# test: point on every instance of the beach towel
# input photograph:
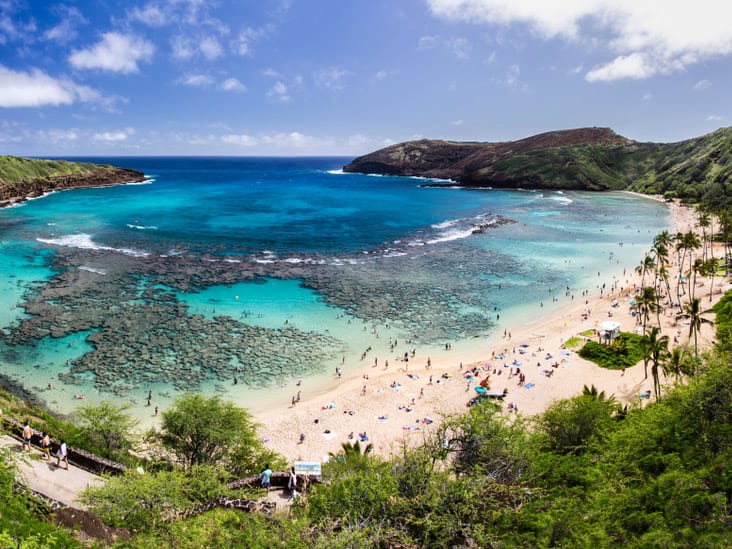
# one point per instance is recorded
(529, 385)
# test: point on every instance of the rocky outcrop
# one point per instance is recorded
(14, 192)
(463, 162)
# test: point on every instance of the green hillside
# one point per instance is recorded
(596, 159)
(15, 169)
(21, 178)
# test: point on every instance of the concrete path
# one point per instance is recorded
(44, 477)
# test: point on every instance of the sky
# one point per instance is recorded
(346, 77)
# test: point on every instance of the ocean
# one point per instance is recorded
(243, 277)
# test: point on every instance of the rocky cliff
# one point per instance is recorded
(23, 178)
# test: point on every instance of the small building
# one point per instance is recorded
(609, 330)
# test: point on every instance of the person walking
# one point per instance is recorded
(292, 483)
(266, 477)
(46, 446)
(62, 454)
(27, 434)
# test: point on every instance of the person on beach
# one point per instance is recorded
(62, 454)
(27, 433)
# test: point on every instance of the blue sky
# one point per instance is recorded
(345, 77)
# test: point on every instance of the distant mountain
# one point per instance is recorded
(595, 159)
(23, 178)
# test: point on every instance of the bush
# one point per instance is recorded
(624, 352)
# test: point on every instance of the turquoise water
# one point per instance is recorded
(241, 276)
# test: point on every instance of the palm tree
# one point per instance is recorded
(645, 267)
(685, 242)
(647, 303)
(698, 268)
(693, 311)
(710, 266)
(703, 222)
(655, 350)
(661, 244)
(677, 363)
(351, 456)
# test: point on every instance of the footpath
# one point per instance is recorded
(43, 477)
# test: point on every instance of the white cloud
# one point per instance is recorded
(37, 89)
(242, 140)
(196, 80)
(152, 15)
(210, 47)
(648, 96)
(279, 92)
(714, 118)
(428, 42)
(702, 85)
(66, 30)
(512, 75)
(457, 122)
(182, 47)
(233, 85)
(332, 78)
(243, 44)
(294, 140)
(628, 66)
(60, 136)
(460, 47)
(115, 52)
(115, 136)
(649, 37)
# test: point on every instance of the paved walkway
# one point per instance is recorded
(45, 478)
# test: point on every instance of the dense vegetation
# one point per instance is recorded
(625, 351)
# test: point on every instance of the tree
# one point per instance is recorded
(353, 457)
(484, 441)
(657, 353)
(200, 430)
(693, 311)
(685, 242)
(678, 363)
(108, 427)
(647, 303)
(645, 267)
(570, 425)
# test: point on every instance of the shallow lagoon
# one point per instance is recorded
(242, 276)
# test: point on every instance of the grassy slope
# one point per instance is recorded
(14, 169)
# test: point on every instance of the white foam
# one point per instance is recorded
(448, 236)
(83, 241)
(142, 227)
(562, 199)
(92, 270)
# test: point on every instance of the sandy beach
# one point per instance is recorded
(389, 403)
